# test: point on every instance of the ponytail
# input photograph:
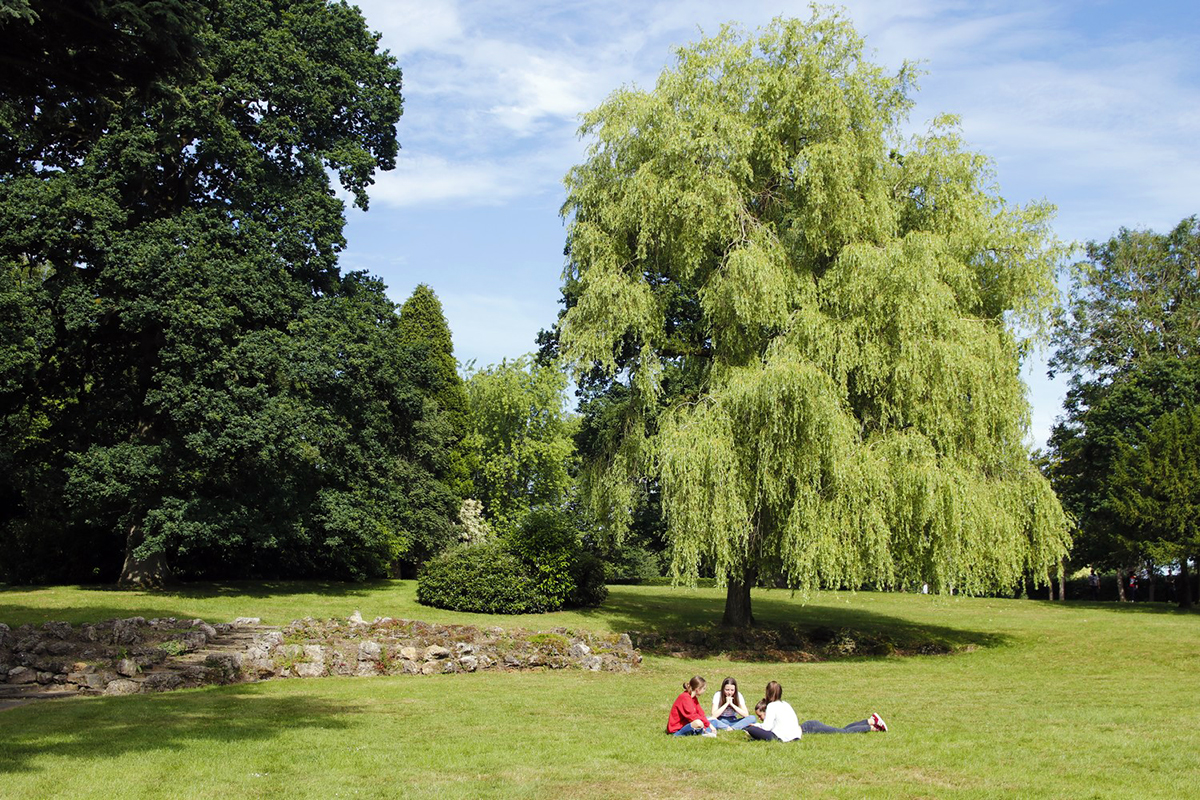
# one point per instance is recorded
(695, 684)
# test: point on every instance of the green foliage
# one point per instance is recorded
(548, 545)
(541, 558)
(479, 577)
(1128, 342)
(188, 376)
(521, 437)
(816, 323)
(423, 324)
(589, 576)
(1155, 487)
(631, 565)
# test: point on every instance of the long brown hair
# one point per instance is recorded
(774, 692)
(696, 684)
(730, 682)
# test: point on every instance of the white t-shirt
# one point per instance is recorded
(719, 700)
(781, 720)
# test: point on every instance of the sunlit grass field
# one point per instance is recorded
(1046, 700)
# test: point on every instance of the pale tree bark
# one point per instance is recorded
(1062, 582)
(1120, 585)
(151, 572)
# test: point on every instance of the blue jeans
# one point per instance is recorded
(813, 726)
(737, 725)
(688, 730)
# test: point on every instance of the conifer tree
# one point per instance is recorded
(423, 324)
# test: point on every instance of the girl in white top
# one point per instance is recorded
(779, 720)
(729, 708)
(780, 723)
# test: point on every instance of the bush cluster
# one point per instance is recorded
(538, 567)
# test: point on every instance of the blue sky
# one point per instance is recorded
(1094, 106)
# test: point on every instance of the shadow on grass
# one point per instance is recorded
(1112, 606)
(95, 730)
(174, 601)
(670, 615)
(208, 590)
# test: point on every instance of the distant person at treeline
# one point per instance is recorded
(687, 717)
(1133, 587)
(729, 708)
(780, 723)
(1094, 584)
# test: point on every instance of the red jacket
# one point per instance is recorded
(686, 709)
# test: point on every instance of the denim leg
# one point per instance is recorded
(814, 726)
(687, 730)
(744, 722)
(720, 724)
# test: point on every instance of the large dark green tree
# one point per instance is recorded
(188, 375)
(1155, 486)
(1130, 342)
(846, 304)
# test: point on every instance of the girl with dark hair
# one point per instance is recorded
(729, 708)
(780, 722)
(686, 717)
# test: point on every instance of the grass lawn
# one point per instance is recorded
(1075, 701)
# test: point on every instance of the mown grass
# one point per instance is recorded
(1082, 700)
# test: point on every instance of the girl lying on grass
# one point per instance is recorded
(686, 717)
(781, 725)
(729, 708)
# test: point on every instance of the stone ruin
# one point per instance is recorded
(128, 656)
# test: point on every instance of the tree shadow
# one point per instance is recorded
(214, 589)
(97, 729)
(175, 601)
(1115, 607)
(671, 615)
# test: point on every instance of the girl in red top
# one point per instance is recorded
(687, 718)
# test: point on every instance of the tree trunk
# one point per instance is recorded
(1120, 585)
(1183, 585)
(151, 572)
(1062, 584)
(737, 600)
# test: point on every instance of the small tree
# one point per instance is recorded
(522, 438)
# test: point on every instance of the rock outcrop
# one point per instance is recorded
(128, 656)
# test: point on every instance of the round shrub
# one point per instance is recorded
(479, 577)
(548, 545)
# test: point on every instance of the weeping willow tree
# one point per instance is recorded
(850, 303)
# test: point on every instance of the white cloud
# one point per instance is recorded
(412, 25)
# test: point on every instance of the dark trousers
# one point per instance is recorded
(761, 733)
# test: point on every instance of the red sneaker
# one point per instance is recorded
(877, 723)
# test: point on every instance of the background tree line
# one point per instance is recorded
(1125, 456)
